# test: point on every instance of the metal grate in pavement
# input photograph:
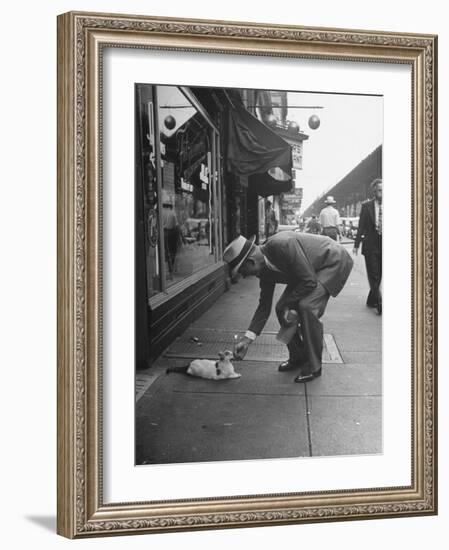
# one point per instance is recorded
(210, 350)
(330, 350)
(225, 336)
(206, 343)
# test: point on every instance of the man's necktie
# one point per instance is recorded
(379, 219)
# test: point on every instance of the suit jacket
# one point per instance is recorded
(302, 260)
(366, 232)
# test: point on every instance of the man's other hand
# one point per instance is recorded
(355, 251)
(241, 348)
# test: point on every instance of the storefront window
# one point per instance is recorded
(178, 230)
(147, 193)
(187, 186)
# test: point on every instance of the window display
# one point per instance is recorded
(186, 186)
(180, 178)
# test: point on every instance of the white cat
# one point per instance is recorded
(211, 370)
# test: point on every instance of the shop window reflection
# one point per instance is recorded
(186, 185)
(148, 181)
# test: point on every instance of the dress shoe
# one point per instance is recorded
(287, 365)
(301, 378)
(379, 308)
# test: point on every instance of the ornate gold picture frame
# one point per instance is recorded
(82, 509)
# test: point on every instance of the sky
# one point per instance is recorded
(171, 95)
(351, 127)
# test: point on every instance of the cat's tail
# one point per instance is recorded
(177, 369)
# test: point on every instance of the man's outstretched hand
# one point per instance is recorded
(241, 348)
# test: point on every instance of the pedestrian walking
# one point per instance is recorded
(313, 226)
(330, 219)
(370, 234)
(314, 268)
(270, 220)
(172, 232)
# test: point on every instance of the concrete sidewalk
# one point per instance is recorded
(264, 414)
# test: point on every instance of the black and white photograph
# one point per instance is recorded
(224, 352)
(238, 345)
(258, 274)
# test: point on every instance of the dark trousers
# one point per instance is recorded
(307, 344)
(331, 232)
(373, 262)
(171, 240)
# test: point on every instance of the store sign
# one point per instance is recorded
(204, 176)
(297, 156)
(191, 149)
(292, 200)
(185, 186)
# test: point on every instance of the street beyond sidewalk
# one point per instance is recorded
(264, 414)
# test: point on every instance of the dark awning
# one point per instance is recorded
(264, 185)
(252, 147)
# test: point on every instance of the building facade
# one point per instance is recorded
(354, 188)
(271, 108)
(204, 164)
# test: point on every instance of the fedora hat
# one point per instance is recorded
(236, 252)
(330, 200)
